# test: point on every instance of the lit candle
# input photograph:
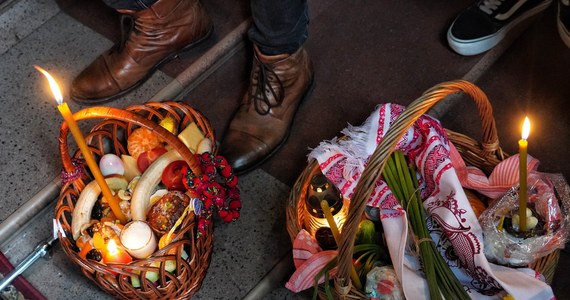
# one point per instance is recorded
(87, 155)
(330, 219)
(319, 189)
(523, 146)
(138, 239)
(115, 254)
(336, 234)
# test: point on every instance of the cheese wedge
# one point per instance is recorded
(191, 136)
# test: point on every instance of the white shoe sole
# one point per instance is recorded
(478, 46)
(564, 34)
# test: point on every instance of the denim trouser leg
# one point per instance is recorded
(130, 4)
(279, 26)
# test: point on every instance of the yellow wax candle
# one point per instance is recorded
(336, 234)
(523, 148)
(80, 140)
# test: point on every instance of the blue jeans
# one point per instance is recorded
(279, 26)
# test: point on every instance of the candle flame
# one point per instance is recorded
(112, 247)
(526, 128)
(53, 85)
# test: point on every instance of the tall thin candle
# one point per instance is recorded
(523, 148)
(336, 234)
(80, 140)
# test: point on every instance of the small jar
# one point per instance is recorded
(138, 239)
(320, 188)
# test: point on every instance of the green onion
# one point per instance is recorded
(402, 181)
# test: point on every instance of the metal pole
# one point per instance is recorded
(18, 219)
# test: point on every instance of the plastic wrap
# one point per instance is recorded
(382, 283)
(549, 201)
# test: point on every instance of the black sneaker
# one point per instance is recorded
(484, 24)
(564, 21)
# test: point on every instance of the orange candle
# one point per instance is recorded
(78, 136)
(115, 254)
(523, 148)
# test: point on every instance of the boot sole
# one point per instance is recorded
(91, 101)
(256, 165)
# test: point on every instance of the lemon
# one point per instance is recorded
(168, 124)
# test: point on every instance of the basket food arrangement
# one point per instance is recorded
(174, 263)
(348, 260)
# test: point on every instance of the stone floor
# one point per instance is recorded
(364, 52)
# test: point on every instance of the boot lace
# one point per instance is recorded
(262, 89)
(489, 6)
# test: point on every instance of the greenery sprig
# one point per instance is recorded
(402, 181)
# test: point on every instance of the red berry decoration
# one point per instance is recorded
(217, 187)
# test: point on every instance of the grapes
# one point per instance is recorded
(94, 254)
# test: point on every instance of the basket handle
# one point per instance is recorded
(128, 116)
(387, 146)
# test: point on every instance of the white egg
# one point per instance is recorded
(111, 164)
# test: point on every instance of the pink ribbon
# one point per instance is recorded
(309, 260)
(503, 177)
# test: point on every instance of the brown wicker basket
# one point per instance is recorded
(484, 155)
(110, 136)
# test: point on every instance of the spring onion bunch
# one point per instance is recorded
(402, 181)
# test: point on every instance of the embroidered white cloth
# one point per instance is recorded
(452, 223)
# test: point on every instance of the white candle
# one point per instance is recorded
(138, 239)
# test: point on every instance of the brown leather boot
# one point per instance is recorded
(160, 32)
(263, 121)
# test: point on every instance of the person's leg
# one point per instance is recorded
(159, 33)
(279, 26)
(281, 77)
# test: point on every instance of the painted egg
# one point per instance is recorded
(111, 164)
(197, 206)
(372, 213)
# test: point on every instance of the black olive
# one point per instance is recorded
(90, 230)
(94, 254)
(97, 212)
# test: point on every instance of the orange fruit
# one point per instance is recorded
(476, 202)
(142, 140)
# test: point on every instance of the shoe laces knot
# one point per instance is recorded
(266, 89)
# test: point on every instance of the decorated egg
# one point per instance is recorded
(372, 213)
(111, 164)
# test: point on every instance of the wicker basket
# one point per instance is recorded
(484, 155)
(110, 136)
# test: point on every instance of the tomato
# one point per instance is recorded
(172, 175)
(146, 158)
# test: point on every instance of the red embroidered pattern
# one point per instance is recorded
(459, 245)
